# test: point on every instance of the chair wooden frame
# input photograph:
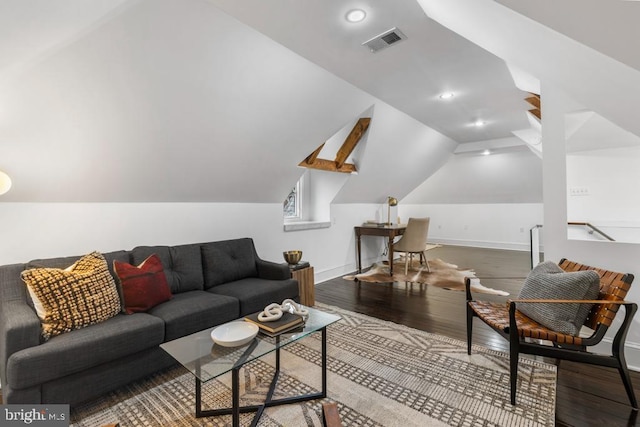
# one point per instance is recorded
(521, 331)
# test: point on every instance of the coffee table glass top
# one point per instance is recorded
(207, 360)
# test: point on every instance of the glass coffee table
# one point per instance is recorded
(206, 360)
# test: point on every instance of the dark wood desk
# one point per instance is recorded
(389, 231)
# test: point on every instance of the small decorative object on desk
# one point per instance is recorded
(292, 257)
(278, 318)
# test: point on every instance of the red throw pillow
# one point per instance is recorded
(144, 286)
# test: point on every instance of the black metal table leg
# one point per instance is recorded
(324, 362)
(198, 398)
(236, 409)
(235, 391)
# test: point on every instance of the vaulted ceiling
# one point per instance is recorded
(410, 75)
(220, 100)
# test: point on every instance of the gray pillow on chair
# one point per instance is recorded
(548, 281)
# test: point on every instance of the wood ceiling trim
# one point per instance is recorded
(536, 112)
(352, 140)
(534, 100)
(339, 164)
(330, 166)
(311, 158)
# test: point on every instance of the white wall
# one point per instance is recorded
(502, 177)
(484, 201)
(611, 177)
(496, 225)
(42, 230)
(610, 255)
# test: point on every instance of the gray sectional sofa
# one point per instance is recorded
(211, 283)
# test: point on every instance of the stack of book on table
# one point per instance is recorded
(286, 323)
(299, 266)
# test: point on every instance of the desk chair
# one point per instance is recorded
(413, 241)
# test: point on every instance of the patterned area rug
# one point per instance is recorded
(440, 274)
(379, 373)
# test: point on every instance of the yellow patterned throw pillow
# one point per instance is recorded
(78, 296)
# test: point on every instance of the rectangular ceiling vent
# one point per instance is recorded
(385, 40)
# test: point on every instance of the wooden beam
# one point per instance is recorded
(536, 112)
(534, 100)
(313, 156)
(339, 164)
(330, 166)
(352, 140)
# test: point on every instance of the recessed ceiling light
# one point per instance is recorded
(446, 95)
(356, 15)
(479, 123)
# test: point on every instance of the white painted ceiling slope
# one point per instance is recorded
(608, 26)
(598, 76)
(410, 75)
(593, 79)
(175, 100)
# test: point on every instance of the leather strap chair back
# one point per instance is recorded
(524, 334)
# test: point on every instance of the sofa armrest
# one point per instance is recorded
(272, 270)
(19, 329)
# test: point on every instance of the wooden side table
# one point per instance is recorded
(306, 283)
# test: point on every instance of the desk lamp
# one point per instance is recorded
(391, 201)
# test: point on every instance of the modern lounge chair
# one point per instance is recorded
(528, 336)
(413, 241)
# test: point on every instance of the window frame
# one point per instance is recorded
(297, 194)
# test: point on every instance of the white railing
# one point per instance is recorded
(536, 248)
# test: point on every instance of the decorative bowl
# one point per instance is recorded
(234, 334)
(292, 257)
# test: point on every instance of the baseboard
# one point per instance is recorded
(343, 270)
(631, 352)
(483, 244)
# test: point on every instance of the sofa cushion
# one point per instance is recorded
(81, 295)
(97, 382)
(64, 262)
(193, 311)
(182, 265)
(143, 286)
(82, 349)
(548, 281)
(228, 261)
(255, 294)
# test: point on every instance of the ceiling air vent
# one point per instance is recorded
(384, 40)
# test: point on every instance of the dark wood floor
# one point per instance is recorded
(586, 395)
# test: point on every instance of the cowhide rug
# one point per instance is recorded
(442, 275)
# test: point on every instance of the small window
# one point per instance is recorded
(291, 204)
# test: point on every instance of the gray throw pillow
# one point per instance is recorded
(548, 281)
